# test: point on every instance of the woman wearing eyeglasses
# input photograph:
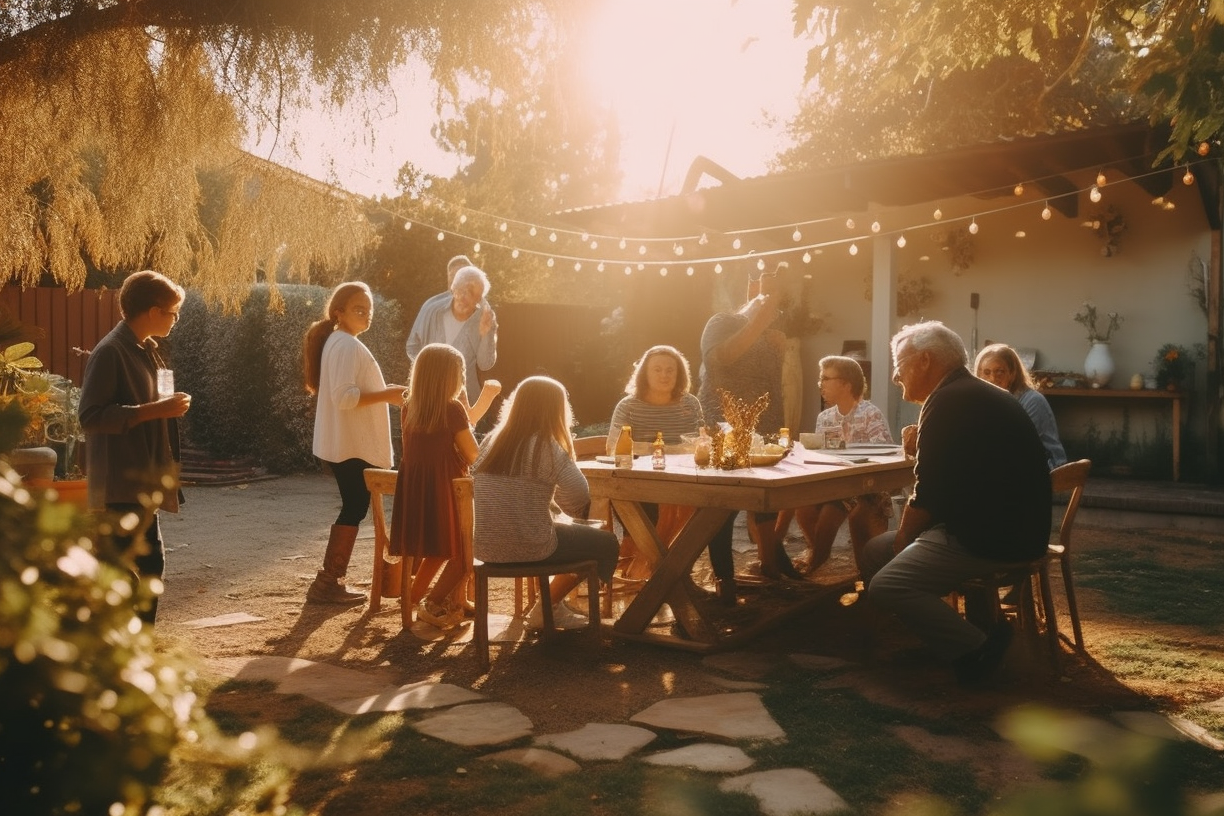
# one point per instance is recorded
(352, 429)
(841, 387)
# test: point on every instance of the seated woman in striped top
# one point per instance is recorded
(657, 400)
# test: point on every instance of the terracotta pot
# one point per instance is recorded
(72, 491)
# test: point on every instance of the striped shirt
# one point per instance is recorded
(675, 418)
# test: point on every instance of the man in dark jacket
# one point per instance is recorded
(981, 500)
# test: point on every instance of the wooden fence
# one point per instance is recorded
(78, 320)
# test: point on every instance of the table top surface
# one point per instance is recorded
(796, 467)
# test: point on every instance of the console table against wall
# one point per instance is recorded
(1173, 397)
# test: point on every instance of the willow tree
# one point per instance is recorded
(903, 76)
(112, 111)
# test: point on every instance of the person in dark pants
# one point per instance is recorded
(981, 500)
(131, 431)
(352, 424)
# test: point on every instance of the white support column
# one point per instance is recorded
(883, 306)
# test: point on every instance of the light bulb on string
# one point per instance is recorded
(1095, 194)
(503, 226)
(594, 245)
(973, 227)
(641, 266)
(796, 236)
(1100, 179)
(622, 243)
(532, 232)
(551, 263)
(1046, 212)
(938, 214)
(577, 266)
(476, 248)
(854, 249)
(463, 218)
(689, 271)
(807, 257)
(849, 223)
(586, 237)
(601, 266)
(761, 264)
(552, 236)
(678, 250)
(407, 225)
(662, 271)
(717, 269)
(1188, 178)
(441, 236)
(875, 226)
(628, 270)
(901, 241)
(1018, 190)
(514, 253)
(703, 240)
(736, 244)
(642, 249)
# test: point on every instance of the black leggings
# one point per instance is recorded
(354, 495)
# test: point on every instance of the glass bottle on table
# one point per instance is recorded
(658, 454)
(702, 448)
(623, 452)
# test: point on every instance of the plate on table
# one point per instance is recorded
(766, 459)
(864, 449)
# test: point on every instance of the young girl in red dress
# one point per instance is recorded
(438, 447)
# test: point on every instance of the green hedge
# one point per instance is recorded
(244, 373)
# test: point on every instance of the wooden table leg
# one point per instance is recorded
(666, 584)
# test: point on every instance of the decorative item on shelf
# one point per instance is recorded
(1174, 365)
(1045, 380)
(1098, 365)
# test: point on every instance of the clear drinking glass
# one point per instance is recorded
(165, 382)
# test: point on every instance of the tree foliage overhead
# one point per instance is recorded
(111, 111)
(895, 77)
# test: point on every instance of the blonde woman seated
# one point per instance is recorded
(841, 386)
(657, 400)
(1000, 365)
(525, 464)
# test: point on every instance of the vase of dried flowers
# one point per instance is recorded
(1099, 364)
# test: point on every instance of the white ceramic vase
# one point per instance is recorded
(1099, 365)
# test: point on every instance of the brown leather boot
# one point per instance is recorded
(328, 586)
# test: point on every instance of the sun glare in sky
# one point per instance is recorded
(685, 78)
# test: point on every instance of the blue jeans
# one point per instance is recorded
(913, 583)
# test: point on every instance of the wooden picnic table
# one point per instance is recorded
(800, 479)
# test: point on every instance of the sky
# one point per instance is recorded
(685, 77)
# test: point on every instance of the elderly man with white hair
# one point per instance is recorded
(981, 499)
(453, 320)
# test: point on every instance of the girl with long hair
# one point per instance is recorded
(525, 465)
(438, 446)
(352, 429)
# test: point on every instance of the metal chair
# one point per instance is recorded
(588, 570)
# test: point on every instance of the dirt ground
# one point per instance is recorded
(254, 548)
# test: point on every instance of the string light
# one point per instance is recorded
(650, 249)
(689, 271)
(1020, 233)
(1019, 189)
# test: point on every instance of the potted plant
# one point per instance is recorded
(1174, 365)
(1098, 365)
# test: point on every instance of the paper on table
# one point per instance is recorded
(814, 458)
